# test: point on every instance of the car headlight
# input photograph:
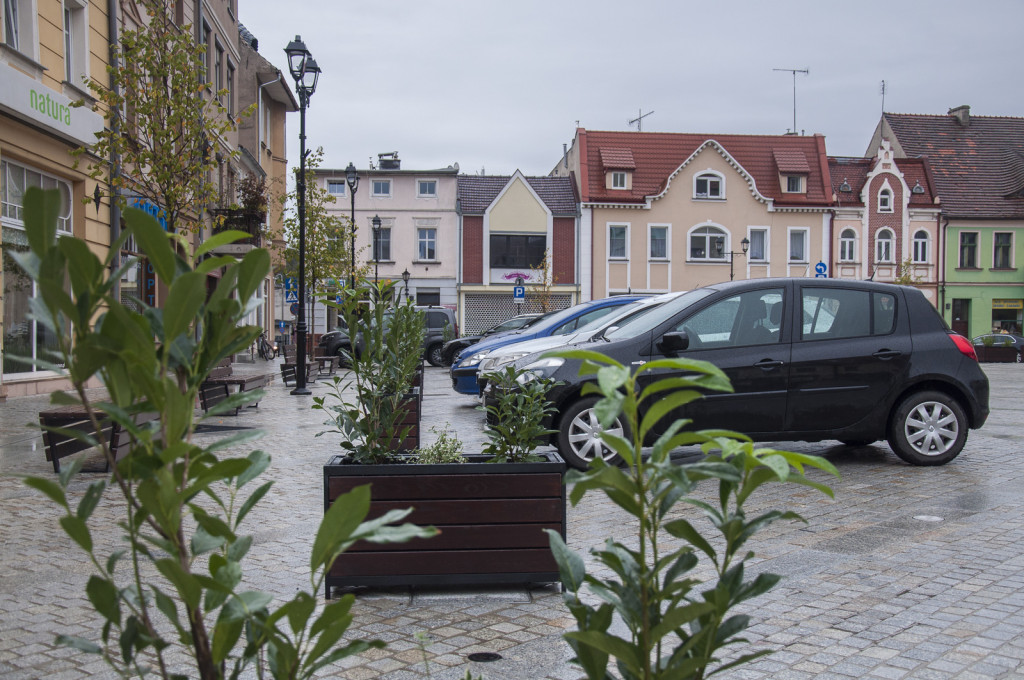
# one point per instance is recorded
(496, 363)
(542, 369)
(475, 358)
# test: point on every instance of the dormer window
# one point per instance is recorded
(794, 184)
(618, 180)
(709, 185)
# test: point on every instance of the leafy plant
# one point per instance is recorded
(177, 584)
(445, 449)
(387, 350)
(677, 626)
(252, 192)
(515, 421)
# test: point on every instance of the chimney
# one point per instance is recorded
(389, 161)
(962, 114)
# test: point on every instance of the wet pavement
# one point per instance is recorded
(907, 573)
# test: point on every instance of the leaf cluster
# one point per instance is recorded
(515, 421)
(677, 625)
(178, 581)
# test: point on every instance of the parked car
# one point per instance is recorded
(435, 319)
(452, 348)
(465, 367)
(1003, 347)
(809, 360)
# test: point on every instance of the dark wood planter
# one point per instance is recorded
(491, 518)
(1004, 355)
(411, 407)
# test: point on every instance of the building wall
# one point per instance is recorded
(993, 295)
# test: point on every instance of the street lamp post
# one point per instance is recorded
(352, 178)
(305, 72)
(405, 278)
(376, 246)
(745, 244)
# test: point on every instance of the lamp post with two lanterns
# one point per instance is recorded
(306, 73)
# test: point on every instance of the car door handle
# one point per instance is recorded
(885, 354)
(768, 364)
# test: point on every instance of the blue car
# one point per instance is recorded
(466, 366)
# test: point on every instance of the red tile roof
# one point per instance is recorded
(854, 171)
(658, 155)
(791, 160)
(477, 192)
(617, 159)
(978, 167)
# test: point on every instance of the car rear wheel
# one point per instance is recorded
(928, 428)
(434, 355)
(578, 435)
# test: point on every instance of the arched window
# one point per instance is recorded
(709, 185)
(707, 243)
(848, 246)
(883, 246)
(885, 200)
(921, 254)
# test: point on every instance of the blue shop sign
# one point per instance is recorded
(148, 208)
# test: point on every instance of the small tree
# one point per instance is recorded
(905, 274)
(164, 122)
(543, 291)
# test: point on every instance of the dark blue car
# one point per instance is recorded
(466, 366)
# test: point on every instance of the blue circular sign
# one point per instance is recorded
(294, 308)
(821, 268)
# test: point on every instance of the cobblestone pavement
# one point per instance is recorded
(908, 573)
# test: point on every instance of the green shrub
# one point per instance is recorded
(445, 449)
(515, 421)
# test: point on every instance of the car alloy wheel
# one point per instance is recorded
(928, 428)
(435, 355)
(579, 440)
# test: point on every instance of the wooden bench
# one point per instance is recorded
(72, 419)
(288, 372)
(217, 386)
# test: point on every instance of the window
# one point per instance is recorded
(885, 200)
(883, 246)
(426, 241)
(708, 185)
(848, 246)
(968, 250)
(921, 241)
(707, 243)
(382, 244)
(204, 75)
(1001, 250)
(230, 103)
(336, 187)
(218, 68)
(618, 180)
(794, 184)
(617, 241)
(426, 188)
(15, 179)
(75, 36)
(758, 245)
(751, 318)
(517, 251)
(798, 245)
(426, 298)
(16, 14)
(381, 187)
(659, 243)
(829, 314)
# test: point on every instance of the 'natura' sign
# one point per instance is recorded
(32, 101)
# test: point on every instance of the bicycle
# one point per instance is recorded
(265, 349)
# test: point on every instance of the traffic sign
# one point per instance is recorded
(820, 271)
(294, 308)
(291, 283)
(519, 294)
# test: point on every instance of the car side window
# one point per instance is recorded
(583, 320)
(751, 318)
(835, 313)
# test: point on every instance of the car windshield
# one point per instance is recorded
(512, 324)
(620, 313)
(644, 321)
(558, 318)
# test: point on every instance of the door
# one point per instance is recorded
(850, 348)
(742, 334)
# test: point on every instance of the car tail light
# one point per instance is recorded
(964, 345)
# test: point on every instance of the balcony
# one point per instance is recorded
(249, 221)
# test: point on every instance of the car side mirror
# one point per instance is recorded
(675, 341)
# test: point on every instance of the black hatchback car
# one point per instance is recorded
(809, 360)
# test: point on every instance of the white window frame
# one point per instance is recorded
(801, 183)
(922, 248)
(709, 175)
(848, 245)
(426, 236)
(619, 180)
(806, 238)
(332, 183)
(76, 42)
(708, 232)
(423, 194)
(23, 39)
(380, 194)
(385, 229)
(885, 199)
(11, 210)
(884, 246)
(625, 238)
(650, 242)
(766, 244)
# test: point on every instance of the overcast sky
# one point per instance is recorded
(499, 85)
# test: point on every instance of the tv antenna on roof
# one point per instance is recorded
(794, 71)
(882, 90)
(639, 120)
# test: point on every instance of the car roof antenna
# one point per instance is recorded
(872, 277)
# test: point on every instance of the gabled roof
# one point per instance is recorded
(977, 161)
(476, 193)
(854, 172)
(658, 155)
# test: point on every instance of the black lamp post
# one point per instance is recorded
(745, 244)
(405, 278)
(352, 179)
(305, 72)
(376, 246)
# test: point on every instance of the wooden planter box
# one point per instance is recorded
(411, 407)
(491, 518)
(1002, 355)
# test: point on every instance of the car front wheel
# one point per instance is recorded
(578, 435)
(435, 355)
(928, 428)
